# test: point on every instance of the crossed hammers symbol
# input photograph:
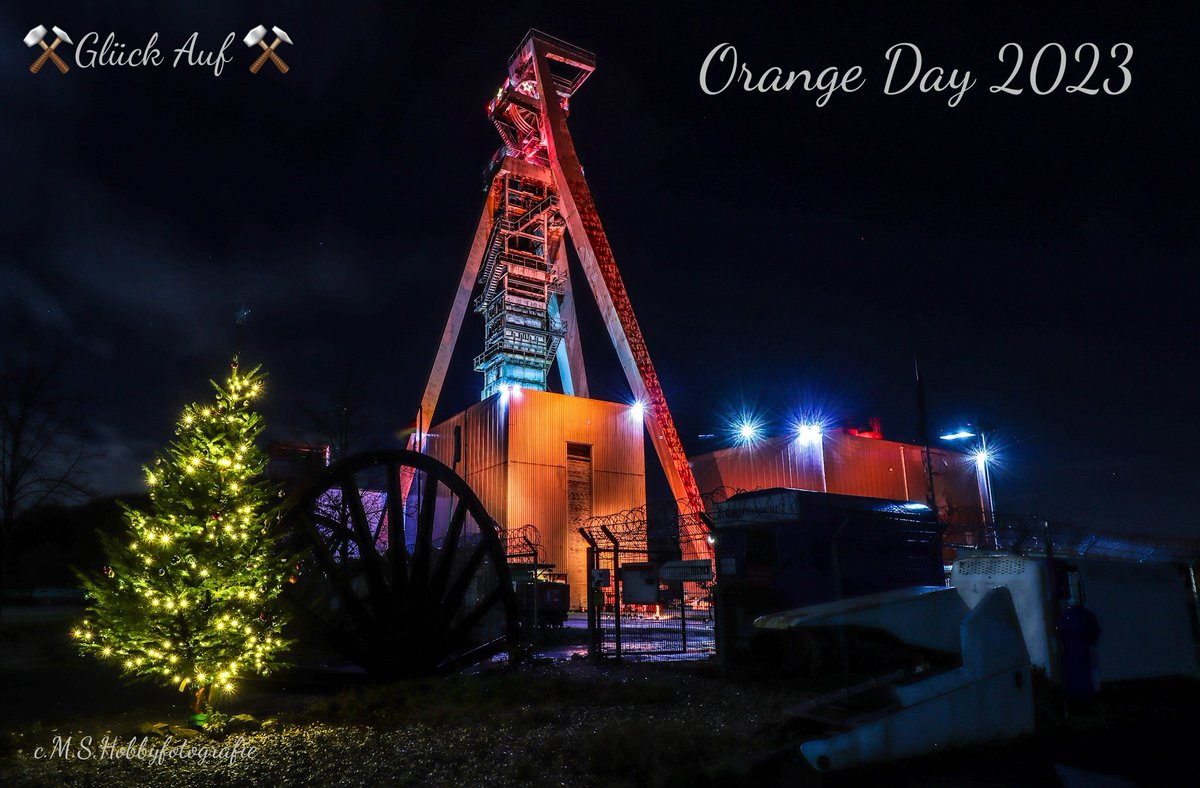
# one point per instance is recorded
(36, 36)
(256, 36)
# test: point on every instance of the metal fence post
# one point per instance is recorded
(683, 615)
(593, 562)
(616, 581)
(533, 548)
(1054, 656)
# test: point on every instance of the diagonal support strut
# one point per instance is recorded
(600, 268)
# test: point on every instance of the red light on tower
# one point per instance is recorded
(873, 431)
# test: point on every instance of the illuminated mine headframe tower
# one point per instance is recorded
(538, 194)
(519, 284)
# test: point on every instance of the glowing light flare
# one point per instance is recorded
(746, 430)
(637, 410)
(809, 433)
(509, 391)
(957, 435)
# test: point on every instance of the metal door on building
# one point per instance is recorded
(579, 510)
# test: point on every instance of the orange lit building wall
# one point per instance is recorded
(514, 455)
(845, 464)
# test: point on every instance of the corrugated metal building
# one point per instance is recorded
(549, 460)
(839, 462)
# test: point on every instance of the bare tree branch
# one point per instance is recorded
(42, 451)
(344, 421)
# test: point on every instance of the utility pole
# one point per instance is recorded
(923, 430)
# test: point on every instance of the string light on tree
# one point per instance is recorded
(206, 556)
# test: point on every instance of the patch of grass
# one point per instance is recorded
(525, 767)
(659, 755)
(510, 695)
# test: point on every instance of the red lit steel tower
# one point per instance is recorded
(538, 193)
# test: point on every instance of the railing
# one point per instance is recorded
(637, 613)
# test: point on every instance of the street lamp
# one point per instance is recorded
(983, 456)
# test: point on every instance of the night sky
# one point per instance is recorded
(1037, 252)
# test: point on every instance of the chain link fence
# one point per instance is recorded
(649, 596)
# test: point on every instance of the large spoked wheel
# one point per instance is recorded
(402, 585)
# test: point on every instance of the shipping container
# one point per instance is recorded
(783, 549)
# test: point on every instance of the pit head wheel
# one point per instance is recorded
(401, 587)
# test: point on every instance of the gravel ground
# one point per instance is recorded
(317, 754)
(566, 723)
(563, 722)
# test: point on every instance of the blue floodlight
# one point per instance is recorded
(808, 433)
(746, 430)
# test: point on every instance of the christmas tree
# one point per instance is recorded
(189, 596)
